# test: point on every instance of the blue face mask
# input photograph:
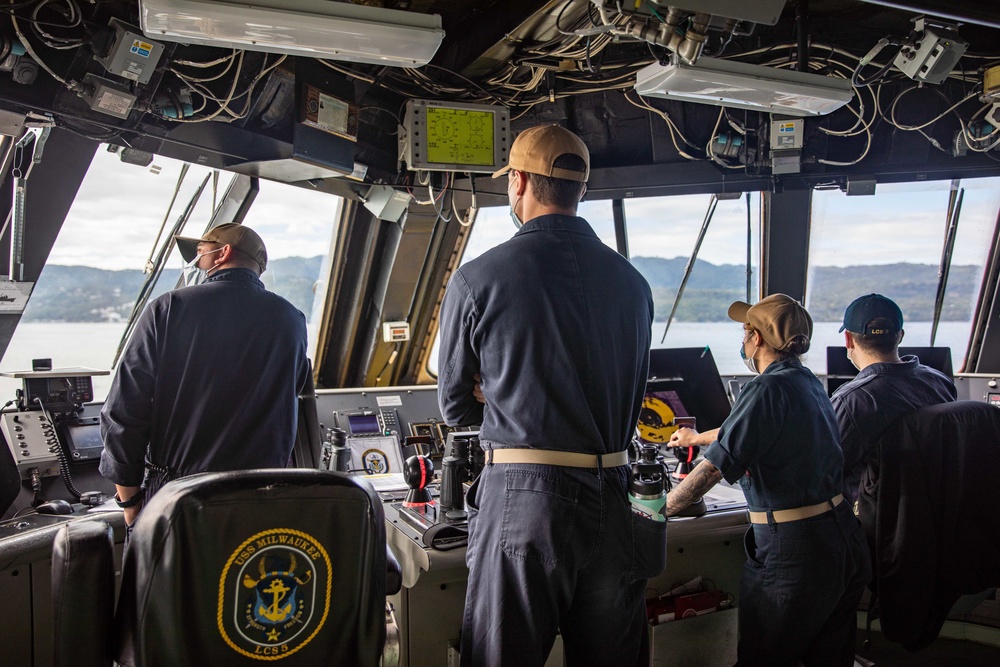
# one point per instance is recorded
(514, 201)
(748, 361)
(191, 274)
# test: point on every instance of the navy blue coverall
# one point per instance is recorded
(209, 382)
(802, 580)
(870, 403)
(558, 326)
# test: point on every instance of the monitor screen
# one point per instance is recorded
(454, 136)
(460, 136)
(691, 373)
(362, 424)
(662, 405)
(840, 370)
(83, 441)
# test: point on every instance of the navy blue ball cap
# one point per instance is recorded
(860, 315)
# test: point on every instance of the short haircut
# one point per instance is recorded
(559, 191)
(878, 344)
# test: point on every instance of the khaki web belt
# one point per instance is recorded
(799, 513)
(555, 458)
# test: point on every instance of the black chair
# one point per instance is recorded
(83, 588)
(239, 567)
(928, 505)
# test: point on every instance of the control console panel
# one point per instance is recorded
(32, 441)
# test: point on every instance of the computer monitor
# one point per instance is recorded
(839, 369)
(692, 379)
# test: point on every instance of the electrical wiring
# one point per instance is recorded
(210, 63)
(473, 206)
(710, 152)
(864, 154)
(856, 79)
(911, 128)
(347, 72)
(973, 143)
(187, 78)
(31, 51)
(860, 118)
(671, 127)
(74, 18)
(223, 105)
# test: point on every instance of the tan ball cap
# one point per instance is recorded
(240, 237)
(779, 318)
(536, 150)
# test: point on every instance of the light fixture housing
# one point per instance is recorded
(311, 28)
(733, 84)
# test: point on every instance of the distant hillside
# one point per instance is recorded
(84, 294)
(711, 288)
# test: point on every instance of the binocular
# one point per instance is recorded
(464, 461)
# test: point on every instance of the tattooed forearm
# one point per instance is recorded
(694, 486)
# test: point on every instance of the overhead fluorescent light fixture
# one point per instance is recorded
(732, 84)
(311, 28)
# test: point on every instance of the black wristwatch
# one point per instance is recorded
(131, 502)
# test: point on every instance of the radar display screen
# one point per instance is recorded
(657, 419)
(460, 136)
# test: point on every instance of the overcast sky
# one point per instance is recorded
(120, 208)
(902, 223)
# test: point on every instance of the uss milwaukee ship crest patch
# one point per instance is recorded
(274, 594)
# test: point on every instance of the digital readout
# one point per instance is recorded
(459, 136)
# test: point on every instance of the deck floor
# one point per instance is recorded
(942, 653)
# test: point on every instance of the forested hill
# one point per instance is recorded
(711, 288)
(85, 294)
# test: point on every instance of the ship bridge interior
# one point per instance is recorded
(246, 111)
(783, 117)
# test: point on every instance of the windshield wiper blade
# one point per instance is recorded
(954, 213)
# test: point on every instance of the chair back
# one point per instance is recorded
(927, 505)
(239, 567)
(83, 594)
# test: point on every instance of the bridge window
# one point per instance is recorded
(891, 243)
(493, 226)
(82, 300)
(662, 232)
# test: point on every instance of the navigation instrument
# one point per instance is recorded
(453, 136)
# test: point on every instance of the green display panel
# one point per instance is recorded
(460, 137)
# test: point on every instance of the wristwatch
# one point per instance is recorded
(131, 502)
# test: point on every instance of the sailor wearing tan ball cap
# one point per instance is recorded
(545, 343)
(807, 559)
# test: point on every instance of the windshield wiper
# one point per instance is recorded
(954, 213)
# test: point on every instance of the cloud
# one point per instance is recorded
(120, 208)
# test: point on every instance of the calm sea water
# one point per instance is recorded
(94, 345)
